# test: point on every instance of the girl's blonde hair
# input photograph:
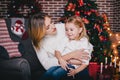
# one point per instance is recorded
(37, 29)
(77, 21)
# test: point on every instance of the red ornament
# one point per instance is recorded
(69, 7)
(85, 20)
(73, 7)
(92, 10)
(102, 38)
(81, 3)
(104, 15)
(77, 13)
(89, 13)
(98, 27)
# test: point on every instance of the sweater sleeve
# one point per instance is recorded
(85, 44)
(45, 60)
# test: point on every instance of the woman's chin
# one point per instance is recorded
(54, 32)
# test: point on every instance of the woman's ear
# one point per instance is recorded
(80, 30)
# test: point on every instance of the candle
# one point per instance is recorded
(106, 60)
(119, 66)
(115, 63)
(111, 58)
(101, 67)
(110, 63)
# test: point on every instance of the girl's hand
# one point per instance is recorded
(63, 63)
(72, 72)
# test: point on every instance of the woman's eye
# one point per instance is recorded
(47, 27)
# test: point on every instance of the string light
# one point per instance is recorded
(114, 37)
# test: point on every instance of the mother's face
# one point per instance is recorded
(49, 26)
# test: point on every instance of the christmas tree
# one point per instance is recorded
(94, 23)
(23, 8)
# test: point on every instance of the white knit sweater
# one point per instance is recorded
(49, 43)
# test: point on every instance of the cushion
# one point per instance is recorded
(5, 41)
(3, 53)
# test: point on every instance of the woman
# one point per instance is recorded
(45, 37)
(76, 38)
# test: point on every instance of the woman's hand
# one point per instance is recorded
(80, 54)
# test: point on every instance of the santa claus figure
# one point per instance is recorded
(18, 28)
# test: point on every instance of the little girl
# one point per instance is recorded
(76, 39)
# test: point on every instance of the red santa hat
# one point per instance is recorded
(19, 22)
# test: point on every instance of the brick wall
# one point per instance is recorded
(117, 16)
(55, 8)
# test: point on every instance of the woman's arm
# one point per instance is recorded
(58, 54)
(77, 54)
(72, 72)
(61, 61)
(74, 61)
(45, 60)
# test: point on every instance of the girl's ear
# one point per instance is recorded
(80, 30)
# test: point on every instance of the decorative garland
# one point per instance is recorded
(23, 8)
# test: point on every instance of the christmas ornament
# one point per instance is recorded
(71, 7)
(102, 38)
(18, 28)
(97, 26)
(81, 3)
(77, 13)
(85, 20)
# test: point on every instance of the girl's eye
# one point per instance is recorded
(66, 30)
(71, 29)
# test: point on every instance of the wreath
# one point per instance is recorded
(23, 8)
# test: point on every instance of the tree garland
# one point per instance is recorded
(23, 8)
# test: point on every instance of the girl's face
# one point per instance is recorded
(50, 27)
(72, 31)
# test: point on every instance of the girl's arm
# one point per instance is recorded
(82, 67)
(72, 72)
(85, 53)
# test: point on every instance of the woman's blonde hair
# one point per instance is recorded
(77, 21)
(36, 29)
